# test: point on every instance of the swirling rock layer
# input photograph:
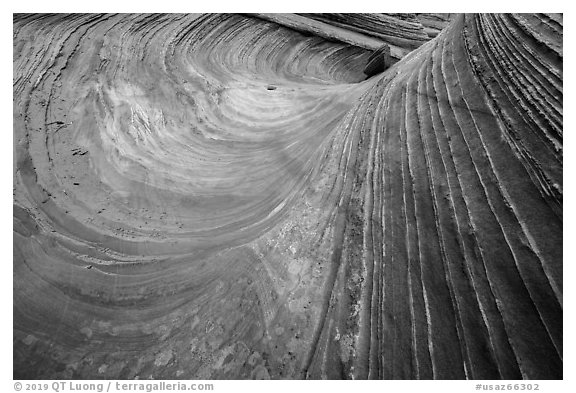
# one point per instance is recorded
(219, 196)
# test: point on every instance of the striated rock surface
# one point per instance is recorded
(378, 61)
(402, 30)
(434, 23)
(220, 196)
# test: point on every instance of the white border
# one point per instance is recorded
(302, 6)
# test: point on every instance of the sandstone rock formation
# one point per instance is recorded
(434, 23)
(222, 196)
(379, 61)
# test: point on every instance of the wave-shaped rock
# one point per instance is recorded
(220, 196)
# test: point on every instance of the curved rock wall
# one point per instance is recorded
(218, 196)
(452, 216)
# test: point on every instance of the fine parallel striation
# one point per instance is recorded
(221, 196)
(402, 30)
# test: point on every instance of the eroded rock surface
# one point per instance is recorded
(221, 196)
